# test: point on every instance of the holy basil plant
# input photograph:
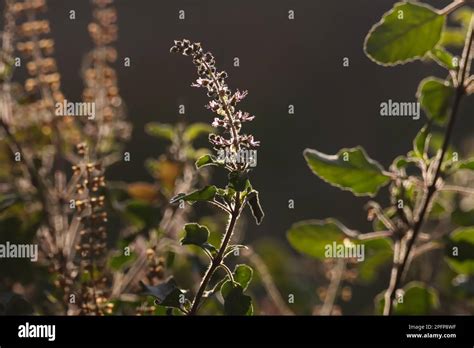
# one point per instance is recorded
(417, 181)
(235, 153)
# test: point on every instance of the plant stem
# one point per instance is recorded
(217, 261)
(401, 261)
(375, 235)
(334, 285)
(458, 189)
(452, 7)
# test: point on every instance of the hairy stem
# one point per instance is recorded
(400, 263)
(453, 7)
(217, 261)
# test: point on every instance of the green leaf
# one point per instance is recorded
(205, 194)
(208, 160)
(226, 287)
(466, 164)
(236, 303)
(224, 193)
(444, 58)
(242, 275)
(255, 207)
(167, 293)
(197, 235)
(406, 32)
(377, 253)
(350, 169)
(435, 97)
(420, 142)
(195, 130)
(238, 181)
(312, 236)
(418, 299)
(460, 250)
(160, 130)
(436, 143)
(400, 162)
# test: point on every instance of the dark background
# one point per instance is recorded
(282, 62)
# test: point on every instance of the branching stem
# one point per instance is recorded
(217, 260)
(402, 259)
